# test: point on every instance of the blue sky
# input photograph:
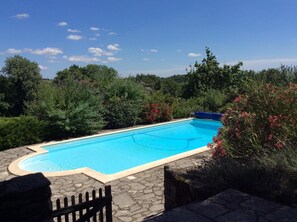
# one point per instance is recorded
(161, 37)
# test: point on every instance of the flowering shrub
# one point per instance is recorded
(154, 112)
(165, 113)
(261, 121)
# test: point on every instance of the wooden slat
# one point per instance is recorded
(80, 201)
(88, 208)
(73, 204)
(66, 205)
(101, 211)
(58, 205)
(93, 198)
(108, 206)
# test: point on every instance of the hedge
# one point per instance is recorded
(20, 131)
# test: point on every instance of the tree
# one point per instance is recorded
(95, 75)
(19, 82)
(209, 75)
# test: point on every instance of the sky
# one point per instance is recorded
(162, 37)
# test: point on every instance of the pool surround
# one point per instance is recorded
(104, 178)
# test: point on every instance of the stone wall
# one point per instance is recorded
(25, 199)
(178, 190)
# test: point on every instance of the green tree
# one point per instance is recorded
(209, 75)
(19, 82)
(94, 75)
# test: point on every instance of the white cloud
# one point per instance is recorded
(112, 33)
(13, 51)
(92, 39)
(108, 53)
(21, 16)
(73, 30)
(193, 54)
(94, 28)
(113, 47)
(74, 37)
(97, 34)
(62, 23)
(146, 59)
(99, 52)
(179, 50)
(46, 51)
(85, 59)
(96, 51)
(149, 50)
(113, 59)
(42, 67)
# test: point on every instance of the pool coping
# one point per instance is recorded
(104, 178)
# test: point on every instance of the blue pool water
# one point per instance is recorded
(121, 151)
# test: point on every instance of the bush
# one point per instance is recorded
(154, 112)
(183, 108)
(121, 113)
(69, 110)
(261, 121)
(20, 131)
(273, 181)
(123, 103)
(213, 100)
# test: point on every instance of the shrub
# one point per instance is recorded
(165, 113)
(69, 110)
(273, 181)
(183, 108)
(121, 113)
(261, 121)
(20, 131)
(150, 113)
(213, 100)
(123, 103)
(154, 112)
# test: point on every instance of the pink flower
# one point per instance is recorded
(237, 99)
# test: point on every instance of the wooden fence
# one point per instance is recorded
(90, 208)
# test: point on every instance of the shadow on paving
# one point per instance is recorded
(229, 206)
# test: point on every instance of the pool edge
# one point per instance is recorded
(103, 178)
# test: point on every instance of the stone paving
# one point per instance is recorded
(139, 197)
(229, 206)
(134, 198)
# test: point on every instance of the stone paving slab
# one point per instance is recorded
(245, 208)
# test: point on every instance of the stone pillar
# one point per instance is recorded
(26, 198)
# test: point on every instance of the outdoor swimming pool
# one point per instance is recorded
(117, 152)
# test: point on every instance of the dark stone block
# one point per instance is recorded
(23, 184)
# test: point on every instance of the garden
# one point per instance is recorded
(254, 152)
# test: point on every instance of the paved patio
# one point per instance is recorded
(140, 197)
(134, 198)
(229, 206)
